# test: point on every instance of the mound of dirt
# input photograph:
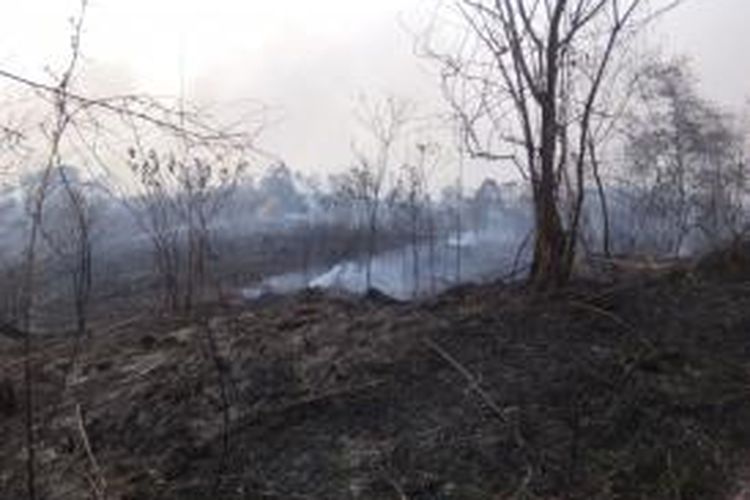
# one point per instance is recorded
(633, 390)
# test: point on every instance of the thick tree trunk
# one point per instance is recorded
(552, 253)
(549, 267)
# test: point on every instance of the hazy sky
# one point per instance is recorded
(308, 59)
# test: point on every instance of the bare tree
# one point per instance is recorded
(13, 152)
(525, 80)
(365, 183)
(417, 200)
(60, 124)
(69, 230)
(413, 200)
(689, 159)
(157, 214)
(178, 199)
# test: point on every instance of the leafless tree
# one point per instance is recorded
(413, 198)
(68, 230)
(689, 159)
(524, 79)
(418, 201)
(314, 227)
(177, 201)
(157, 214)
(61, 121)
(365, 183)
(13, 152)
(459, 204)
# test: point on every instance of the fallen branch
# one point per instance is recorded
(470, 378)
(98, 483)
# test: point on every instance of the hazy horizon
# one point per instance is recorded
(307, 62)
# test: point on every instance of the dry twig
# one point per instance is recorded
(474, 384)
(98, 483)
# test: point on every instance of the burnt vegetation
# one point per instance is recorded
(184, 315)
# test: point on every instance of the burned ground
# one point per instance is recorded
(635, 389)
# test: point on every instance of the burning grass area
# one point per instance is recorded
(637, 389)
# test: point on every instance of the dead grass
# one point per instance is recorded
(637, 389)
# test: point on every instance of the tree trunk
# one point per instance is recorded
(606, 244)
(552, 252)
(415, 251)
(371, 248)
(549, 267)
